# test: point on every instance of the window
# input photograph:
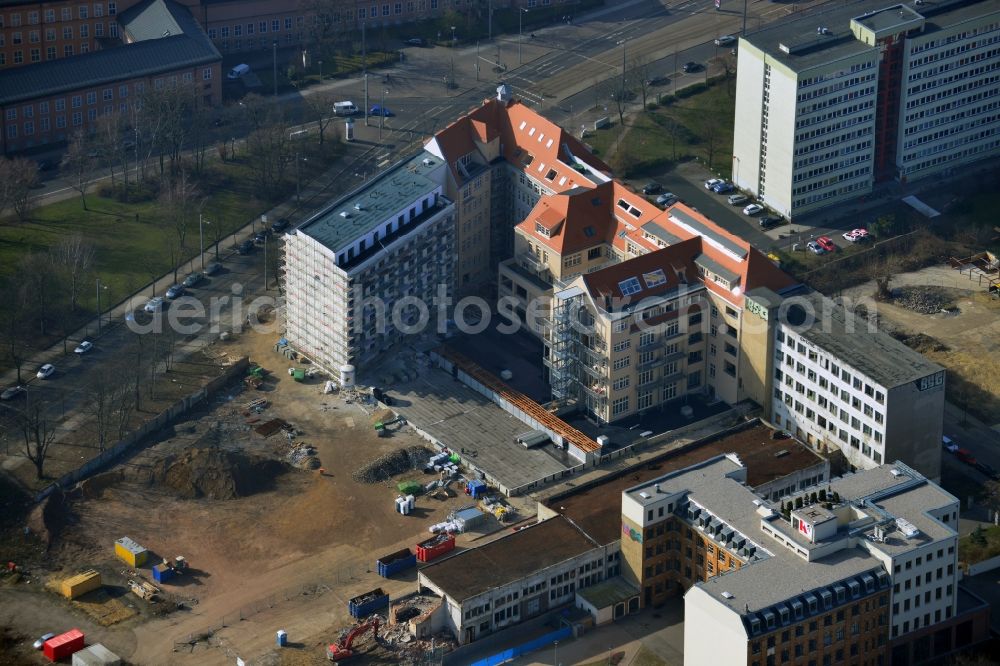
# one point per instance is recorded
(84, 12)
(275, 25)
(91, 97)
(112, 9)
(623, 362)
(619, 406)
(621, 383)
(98, 30)
(77, 119)
(84, 31)
(288, 23)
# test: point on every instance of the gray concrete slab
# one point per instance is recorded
(471, 425)
(519, 352)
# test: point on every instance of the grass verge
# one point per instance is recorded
(980, 545)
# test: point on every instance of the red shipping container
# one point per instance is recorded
(63, 645)
(435, 547)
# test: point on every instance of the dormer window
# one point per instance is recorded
(550, 175)
(541, 230)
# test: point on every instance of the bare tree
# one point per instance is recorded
(319, 107)
(24, 178)
(268, 151)
(642, 77)
(177, 200)
(39, 434)
(168, 109)
(991, 497)
(38, 282)
(74, 257)
(79, 164)
(111, 401)
(108, 143)
(257, 111)
(15, 334)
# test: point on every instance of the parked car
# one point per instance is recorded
(723, 187)
(856, 235)
(46, 165)
(737, 199)
(986, 470)
(666, 199)
(769, 221)
(690, 67)
(154, 304)
(45, 371)
(246, 247)
(260, 237)
(657, 81)
(753, 209)
(966, 456)
(13, 392)
(193, 279)
(712, 182)
(725, 40)
(826, 243)
(212, 268)
(175, 291)
(40, 643)
(815, 248)
(948, 444)
(416, 41)
(280, 225)
(84, 347)
(652, 188)
(379, 110)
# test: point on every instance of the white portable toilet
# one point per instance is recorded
(347, 376)
(411, 503)
(349, 129)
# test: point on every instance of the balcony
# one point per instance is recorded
(649, 346)
(599, 391)
(649, 365)
(598, 370)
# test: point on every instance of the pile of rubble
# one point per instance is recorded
(925, 300)
(301, 455)
(385, 467)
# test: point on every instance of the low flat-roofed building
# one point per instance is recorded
(516, 577)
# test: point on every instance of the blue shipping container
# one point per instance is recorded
(477, 489)
(401, 560)
(365, 604)
(162, 573)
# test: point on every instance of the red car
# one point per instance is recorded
(825, 243)
(965, 456)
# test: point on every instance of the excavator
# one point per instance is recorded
(342, 651)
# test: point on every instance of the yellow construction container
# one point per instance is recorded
(78, 585)
(130, 552)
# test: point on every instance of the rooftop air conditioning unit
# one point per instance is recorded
(427, 161)
(358, 206)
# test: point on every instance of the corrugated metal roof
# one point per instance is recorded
(148, 57)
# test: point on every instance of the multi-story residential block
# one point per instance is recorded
(156, 43)
(662, 320)
(829, 105)
(837, 382)
(366, 270)
(517, 577)
(503, 158)
(846, 578)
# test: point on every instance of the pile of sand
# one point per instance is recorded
(217, 474)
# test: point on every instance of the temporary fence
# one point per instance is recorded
(524, 648)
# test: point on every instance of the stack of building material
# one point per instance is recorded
(131, 552)
(403, 505)
(468, 519)
(96, 655)
(78, 585)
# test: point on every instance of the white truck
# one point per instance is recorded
(344, 108)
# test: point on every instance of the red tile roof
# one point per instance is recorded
(673, 265)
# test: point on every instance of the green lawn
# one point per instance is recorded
(699, 126)
(971, 552)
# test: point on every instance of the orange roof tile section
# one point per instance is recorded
(656, 272)
(570, 434)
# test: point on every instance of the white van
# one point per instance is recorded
(238, 71)
(344, 109)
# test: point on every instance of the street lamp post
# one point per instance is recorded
(555, 653)
(201, 238)
(381, 115)
(520, 33)
(490, 33)
(320, 70)
(99, 287)
(452, 36)
(274, 57)
(623, 42)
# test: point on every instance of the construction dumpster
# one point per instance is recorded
(78, 585)
(365, 604)
(435, 547)
(391, 564)
(96, 655)
(130, 552)
(63, 645)
(163, 573)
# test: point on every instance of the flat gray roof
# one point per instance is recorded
(713, 266)
(608, 592)
(468, 422)
(805, 47)
(508, 559)
(388, 194)
(849, 337)
(654, 229)
(708, 232)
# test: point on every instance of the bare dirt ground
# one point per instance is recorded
(965, 338)
(285, 554)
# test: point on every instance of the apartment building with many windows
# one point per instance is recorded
(829, 105)
(363, 273)
(845, 579)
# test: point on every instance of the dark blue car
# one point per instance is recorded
(379, 110)
(722, 188)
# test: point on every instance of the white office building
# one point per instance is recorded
(830, 104)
